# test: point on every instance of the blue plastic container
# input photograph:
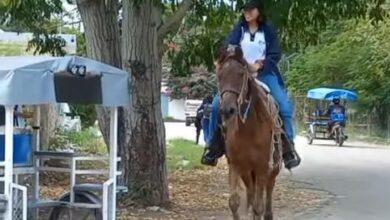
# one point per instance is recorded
(22, 148)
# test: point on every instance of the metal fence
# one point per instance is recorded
(19, 202)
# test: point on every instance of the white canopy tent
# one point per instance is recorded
(34, 80)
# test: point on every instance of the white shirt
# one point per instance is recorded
(253, 49)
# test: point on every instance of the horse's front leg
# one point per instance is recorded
(234, 200)
(258, 203)
(268, 215)
(272, 179)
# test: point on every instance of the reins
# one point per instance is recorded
(241, 96)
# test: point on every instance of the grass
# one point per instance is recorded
(87, 141)
(183, 154)
(171, 119)
(13, 49)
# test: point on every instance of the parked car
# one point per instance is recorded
(191, 105)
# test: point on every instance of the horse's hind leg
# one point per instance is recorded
(270, 187)
(234, 201)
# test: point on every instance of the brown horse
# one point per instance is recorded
(252, 134)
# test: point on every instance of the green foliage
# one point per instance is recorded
(45, 43)
(35, 16)
(81, 49)
(357, 58)
(87, 114)
(81, 44)
(300, 24)
(87, 141)
(183, 154)
(200, 37)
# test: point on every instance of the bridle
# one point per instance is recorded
(241, 93)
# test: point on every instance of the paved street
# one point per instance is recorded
(357, 174)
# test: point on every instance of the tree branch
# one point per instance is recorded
(173, 22)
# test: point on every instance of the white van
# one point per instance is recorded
(190, 108)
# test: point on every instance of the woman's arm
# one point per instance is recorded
(273, 51)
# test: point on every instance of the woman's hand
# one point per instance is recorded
(260, 63)
(253, 67)
(256, 67)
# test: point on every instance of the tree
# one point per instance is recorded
(356, 57)
(300, 24)
(142, 135)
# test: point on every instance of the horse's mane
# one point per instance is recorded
(231, 52)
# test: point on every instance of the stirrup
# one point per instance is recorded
(295, 161)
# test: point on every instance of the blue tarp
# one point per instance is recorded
(29, 80)
(330, 93)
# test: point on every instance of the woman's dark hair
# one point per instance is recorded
(260, 7)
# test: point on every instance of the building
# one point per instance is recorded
(172, 108)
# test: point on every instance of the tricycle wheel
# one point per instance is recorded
(59, 213)
(341, 142)
(341, 138)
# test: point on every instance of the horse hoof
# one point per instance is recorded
(268, 216)
(256, 217)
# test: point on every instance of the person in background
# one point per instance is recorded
(203, 118)
(198, 125)
(318, 111)
(18, 116)
(336, 113)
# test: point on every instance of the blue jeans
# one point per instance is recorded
(205, 127)
(279, 92)
(213, 125)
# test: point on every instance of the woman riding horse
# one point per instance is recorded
(260, 45)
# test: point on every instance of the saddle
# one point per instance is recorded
(263, 85)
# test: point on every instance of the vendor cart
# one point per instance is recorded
(36, 80)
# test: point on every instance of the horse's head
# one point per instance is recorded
(232, 73)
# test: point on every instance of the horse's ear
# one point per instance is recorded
(217, 65)
(238, 52)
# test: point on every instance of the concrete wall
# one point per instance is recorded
(176, 109)
(164, 105)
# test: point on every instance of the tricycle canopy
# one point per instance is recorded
(34, 80)
(330, 93)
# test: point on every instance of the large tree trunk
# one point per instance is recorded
(49, 123)
(144, 158)
(141, 130)
(103, 44)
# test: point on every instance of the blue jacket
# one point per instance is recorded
(273, 51)
(336, 113)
